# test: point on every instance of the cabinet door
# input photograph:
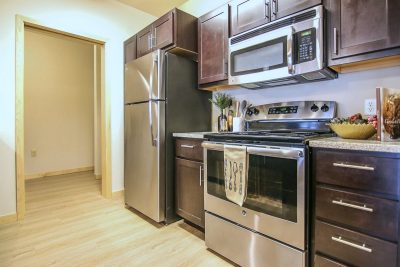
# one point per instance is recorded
(248, 14)
(190, 190)
(163, 31)
(213, 45)
(130, 49)
(282, 8)
(144, 41)
(357, 27)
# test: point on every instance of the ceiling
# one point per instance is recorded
(154, 7)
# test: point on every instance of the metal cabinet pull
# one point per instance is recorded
(149, 42)
(335, 44)
(201, 174)
(187, 146)
(350, 166)
(351, 244)
(341, 203)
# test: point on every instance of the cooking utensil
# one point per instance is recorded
(243, 105)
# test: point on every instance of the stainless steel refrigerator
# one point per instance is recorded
(161, 97)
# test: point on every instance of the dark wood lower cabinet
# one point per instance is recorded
(355, 208)
(189, 190)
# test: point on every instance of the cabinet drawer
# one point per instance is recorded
(189, 149)
(358, 170)
(354, 248)
(320, 261)
(375, 216)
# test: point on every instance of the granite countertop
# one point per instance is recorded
(194, 135)
(350, 144)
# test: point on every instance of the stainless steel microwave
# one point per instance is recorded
(290, 50)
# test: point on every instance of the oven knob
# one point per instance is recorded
(249, 112)
(314, 108)
(244, 212)
(324, 108)
(256, 111)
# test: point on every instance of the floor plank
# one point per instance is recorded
(68, 223)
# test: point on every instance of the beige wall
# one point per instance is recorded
(349, 90)
(59, 100)
(107, 20)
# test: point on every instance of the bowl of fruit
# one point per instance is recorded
(354, 127)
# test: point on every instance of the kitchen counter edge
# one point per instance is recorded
(193, 135)
(356, 145)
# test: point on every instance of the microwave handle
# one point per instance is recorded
(290, 65)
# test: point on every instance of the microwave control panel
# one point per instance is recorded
(306, 45)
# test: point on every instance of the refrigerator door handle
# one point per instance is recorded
(153, 140)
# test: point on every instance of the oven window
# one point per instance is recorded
(272, 184)
(262, 57)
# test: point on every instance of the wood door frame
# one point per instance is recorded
(106, 184)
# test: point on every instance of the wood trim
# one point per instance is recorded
(8, 218)
(106, 182)
(97, 176)
(385, 62)
(118, 194)
(20, 23)
(61, 172)
(19, 116)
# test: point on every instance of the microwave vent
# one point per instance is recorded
(312, 76)
(273, 26)
(280, 82)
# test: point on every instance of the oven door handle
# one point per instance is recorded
(262, 151)
(276, 152)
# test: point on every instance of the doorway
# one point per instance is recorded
(100, 123)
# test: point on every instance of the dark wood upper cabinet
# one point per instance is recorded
(175, 30)
(248, 14)
(144, 41)
(213, 29)
(163, 31)
(361, 27)
(282, 8)
(130, 49)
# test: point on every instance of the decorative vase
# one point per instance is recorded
(222, 122)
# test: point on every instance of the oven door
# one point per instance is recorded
(275, 203)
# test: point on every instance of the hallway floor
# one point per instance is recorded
(68, 223)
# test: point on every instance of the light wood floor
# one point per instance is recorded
(68, 223)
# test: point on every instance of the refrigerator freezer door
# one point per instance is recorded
(142, 80)
(144, 179)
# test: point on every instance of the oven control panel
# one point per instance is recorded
(297, 110)
(283, 110)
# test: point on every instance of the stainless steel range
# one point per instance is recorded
(271, 228)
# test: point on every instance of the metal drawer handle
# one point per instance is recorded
(360, 247)
(350, 166)
(341, 203)
(187, 146)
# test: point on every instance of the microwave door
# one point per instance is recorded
(264, 57)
